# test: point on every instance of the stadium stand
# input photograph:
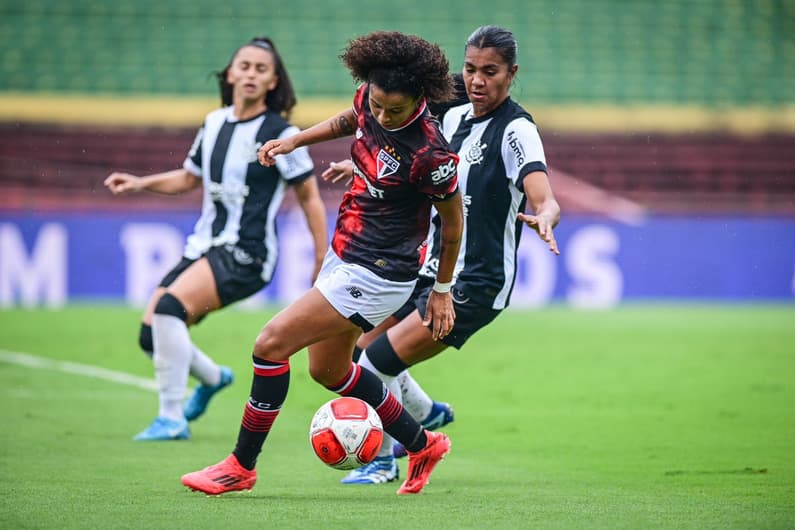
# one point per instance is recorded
(665, 173)
(685, 172)
(712, 55)
(710, 52)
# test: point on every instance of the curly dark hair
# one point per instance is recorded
(282, 98)
(401, 63)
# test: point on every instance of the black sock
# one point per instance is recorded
(357, 352)
(268, 391)
(145, 340)
(384, 357)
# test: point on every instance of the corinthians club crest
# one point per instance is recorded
(475, 153)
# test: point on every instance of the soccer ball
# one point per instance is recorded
(346, 433)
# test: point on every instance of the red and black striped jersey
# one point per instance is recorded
(383, 219)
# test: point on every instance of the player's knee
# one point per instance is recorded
(319, 376)
(384, 357)
(170, 305)
(271, 345)
(328, 376)
(145, 339)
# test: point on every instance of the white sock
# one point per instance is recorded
(415, 400)
(391, 383)
(203, 368)
(172, 357)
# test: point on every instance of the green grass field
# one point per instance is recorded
(643, 417)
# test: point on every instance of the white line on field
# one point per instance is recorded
(45, 363)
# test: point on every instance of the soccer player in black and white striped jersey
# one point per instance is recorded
(233, 249)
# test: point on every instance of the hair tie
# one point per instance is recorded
(259, 43)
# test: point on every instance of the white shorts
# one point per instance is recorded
(359, 294)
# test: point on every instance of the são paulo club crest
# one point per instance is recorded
(385, 164)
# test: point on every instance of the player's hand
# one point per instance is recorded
(341, 171)
(543, 228)
(267, 153)
(439, 314)
(119, 183)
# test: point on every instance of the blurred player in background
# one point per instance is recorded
(233, 249)
(402, 165)
(502, 165)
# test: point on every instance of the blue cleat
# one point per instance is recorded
(441, 414)
(197, 403)
(382, 469)
(164, 429)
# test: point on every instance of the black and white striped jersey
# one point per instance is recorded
(242, 197)
(496, 152)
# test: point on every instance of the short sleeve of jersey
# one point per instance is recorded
(522, 150)
(193, 162)
(452, 119)
(295, 166)
(436, 173)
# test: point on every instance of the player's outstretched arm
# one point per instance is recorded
(546, 210)
(168, 183)
(343, 124)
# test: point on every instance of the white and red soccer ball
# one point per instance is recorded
(346, 433)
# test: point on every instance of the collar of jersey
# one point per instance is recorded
(231, 115)
(491, 114)
(412, 118)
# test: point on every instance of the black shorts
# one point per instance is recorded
(237, 275)
(470, 316)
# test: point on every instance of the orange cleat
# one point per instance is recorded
(225, 476)
(422, 462)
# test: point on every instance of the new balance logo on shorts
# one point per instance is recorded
(355, 292)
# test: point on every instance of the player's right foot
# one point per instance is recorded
(164, 429)
(197, 403)
(382, 469)
(441, 414)
(225, 476)
(422, 462)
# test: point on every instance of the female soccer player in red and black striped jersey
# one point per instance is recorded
(402, 165)
(232, 252)
(502, 167)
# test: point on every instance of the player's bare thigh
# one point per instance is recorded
(196, 289)
(308, 320)
(367, 338)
